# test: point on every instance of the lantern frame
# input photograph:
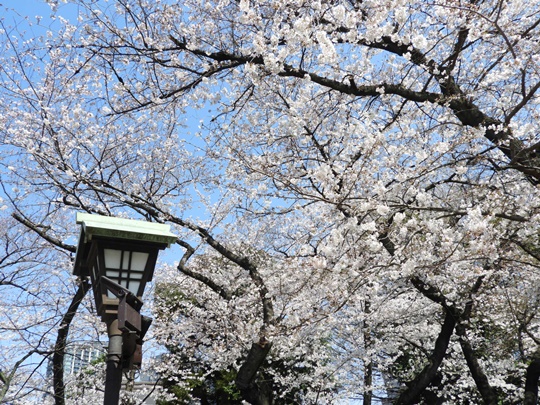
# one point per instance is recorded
(116, 248)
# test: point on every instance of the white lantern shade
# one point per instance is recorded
(126, 268)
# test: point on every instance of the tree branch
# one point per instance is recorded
(426, 376)
(223, 293)
(242, 261)
(486, 390)
(468, 113)
(42, 233)
(60, 346)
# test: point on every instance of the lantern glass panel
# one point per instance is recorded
(112, 258)
(133, 286)
(113, 275)
(138, 261)
(120, 277)
(125, 260)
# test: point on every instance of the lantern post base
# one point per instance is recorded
(113, 380)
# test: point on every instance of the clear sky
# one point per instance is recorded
(33, 15)
(27, 7)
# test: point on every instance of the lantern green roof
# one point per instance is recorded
(120, 228)
(111, 228)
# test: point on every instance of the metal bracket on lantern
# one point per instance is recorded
(130, 321)
(120, 291)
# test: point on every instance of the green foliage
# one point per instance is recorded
(215, 388)
(169, 300)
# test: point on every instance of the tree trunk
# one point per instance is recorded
(255, 392)
(368, 382)
(426, 376)
(531, 382)
(368, 364)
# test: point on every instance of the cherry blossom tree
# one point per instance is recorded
(358, 210)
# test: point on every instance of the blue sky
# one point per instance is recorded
(27, 7)
(26, 14)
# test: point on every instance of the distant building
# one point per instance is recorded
(79, 356)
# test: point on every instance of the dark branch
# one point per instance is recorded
(43, 233)
(197, 276)
(426, 376)
(60, 346)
